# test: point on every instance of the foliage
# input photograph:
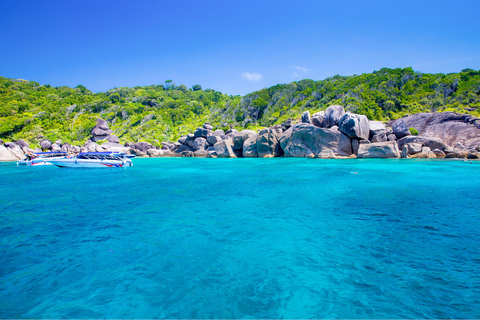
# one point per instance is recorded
(164, 112)
(413, 131)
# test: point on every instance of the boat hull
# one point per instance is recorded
(91, 163)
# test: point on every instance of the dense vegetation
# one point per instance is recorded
(159, 113)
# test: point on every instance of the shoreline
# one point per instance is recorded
(329, 134)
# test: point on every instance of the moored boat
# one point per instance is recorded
(95, 160)
(41, 158)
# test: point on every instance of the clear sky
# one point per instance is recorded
(235, 47)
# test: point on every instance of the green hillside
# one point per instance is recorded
(157, 113)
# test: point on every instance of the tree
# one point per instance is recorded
(197, 87)
(182, 88)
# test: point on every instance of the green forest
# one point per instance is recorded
(160, 113)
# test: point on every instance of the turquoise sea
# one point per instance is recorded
(242, 238)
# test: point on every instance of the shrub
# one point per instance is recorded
(413, 131)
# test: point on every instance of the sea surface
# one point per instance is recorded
(241, 238)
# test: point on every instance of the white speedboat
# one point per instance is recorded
(42, 158)
(95, 160)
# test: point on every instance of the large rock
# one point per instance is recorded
(413, 148)
(400, 129)
(201, 132)
(102, 124)
(224, 149)
(219, 133)
(15, 150)
(66, 147)
(200, 143)
(183, 140)
(354, 126)
(404, 154)
(117, 147)
(45, 144)
(377, 128)
(284, 138)
(378, 150)
(207, 126)
(212, 139)
(22, 143)
(6, 154)
(333, 115)
(168, 146)
(200, 153)
(306, 117)
(55, 147)
(101, 130)
(306, 140)
(317, 121)
(432, 143)
(155, 153)
(450, 127)
(378, 138)
(268, 142)
(250, 147)
(240, 137)
(183, 148)
(142, 146)
(113, 138)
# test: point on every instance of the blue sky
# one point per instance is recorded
(235, 47)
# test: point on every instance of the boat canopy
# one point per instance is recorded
(50, 152)
(105, 153)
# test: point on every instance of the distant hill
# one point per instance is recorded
(159, 113)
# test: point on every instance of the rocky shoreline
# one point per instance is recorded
(329, 134)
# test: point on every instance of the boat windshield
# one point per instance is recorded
(101, 156)
(50, 154)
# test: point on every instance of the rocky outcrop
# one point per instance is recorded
(354, 126)
(199, 143)
(113, 139)
(318, 118)
(306, 117)
(378, 150)
(116, 147)
(14, 149)
(7, 155)
(250, 147)
(333, 115)
(306, 140)
(23, 145)
(432, 143)
(450, 127)
(224, 149)
(240, 137)
(400, 129)
(101, 130)
(183, 148)
(45, 144)
(268, 142)
(378, 131)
